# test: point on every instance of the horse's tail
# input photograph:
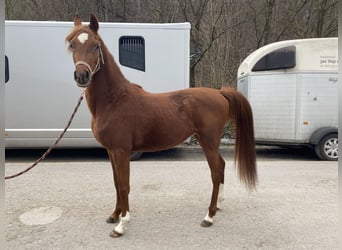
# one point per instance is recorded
(240, 112)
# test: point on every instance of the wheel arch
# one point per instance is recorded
(320, 133)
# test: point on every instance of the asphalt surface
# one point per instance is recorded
(63, 202)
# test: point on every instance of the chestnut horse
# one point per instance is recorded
(126, 118)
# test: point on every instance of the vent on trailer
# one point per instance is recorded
(132, 52)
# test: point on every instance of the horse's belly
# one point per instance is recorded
(161, 138)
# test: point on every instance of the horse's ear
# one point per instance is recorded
(93, 23)
(77, 20)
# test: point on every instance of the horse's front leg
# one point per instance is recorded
(114, 217)
(121, 174)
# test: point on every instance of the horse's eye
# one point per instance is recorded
(72, 46)
(97, 46)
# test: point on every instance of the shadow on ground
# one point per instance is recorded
(180, 153)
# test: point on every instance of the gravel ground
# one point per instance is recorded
(63, 204)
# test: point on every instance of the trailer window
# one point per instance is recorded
(132, 52)
(6, 69)
(284, 58)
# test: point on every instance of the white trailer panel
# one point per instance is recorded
(41, 92)
(292, 87)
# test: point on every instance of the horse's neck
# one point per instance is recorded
(107, 86)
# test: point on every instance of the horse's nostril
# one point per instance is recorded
(85, 77)
(75, 76)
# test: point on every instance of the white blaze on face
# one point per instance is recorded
(83, 37)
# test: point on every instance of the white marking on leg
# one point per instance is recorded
(83, 37)
(121, 227)
(207, 218)
(220, 198)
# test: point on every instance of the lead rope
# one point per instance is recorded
(48, 151)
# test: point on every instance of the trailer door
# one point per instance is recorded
(273, 99)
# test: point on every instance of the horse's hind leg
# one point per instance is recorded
(217, 166)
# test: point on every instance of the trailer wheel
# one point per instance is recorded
(327, 148)
(136, 155)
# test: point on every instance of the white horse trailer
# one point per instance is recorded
(40, 89)
(292, 87)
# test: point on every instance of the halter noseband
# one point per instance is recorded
(97, 67)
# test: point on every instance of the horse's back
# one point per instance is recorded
(167, 119)
(195, 104)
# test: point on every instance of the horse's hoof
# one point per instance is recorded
(112, 220)
(206, 223)
(115, 234)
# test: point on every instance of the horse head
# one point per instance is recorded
(85, 45)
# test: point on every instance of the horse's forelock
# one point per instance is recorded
(77, 30)
(74, 32)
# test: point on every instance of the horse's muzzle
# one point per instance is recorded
(82, 78)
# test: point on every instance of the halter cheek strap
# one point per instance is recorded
(97, 67)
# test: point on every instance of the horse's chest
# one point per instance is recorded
(108, 132)
(95, 130)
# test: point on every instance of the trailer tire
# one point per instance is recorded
(327, 148)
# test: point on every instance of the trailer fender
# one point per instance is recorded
(320, 133)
